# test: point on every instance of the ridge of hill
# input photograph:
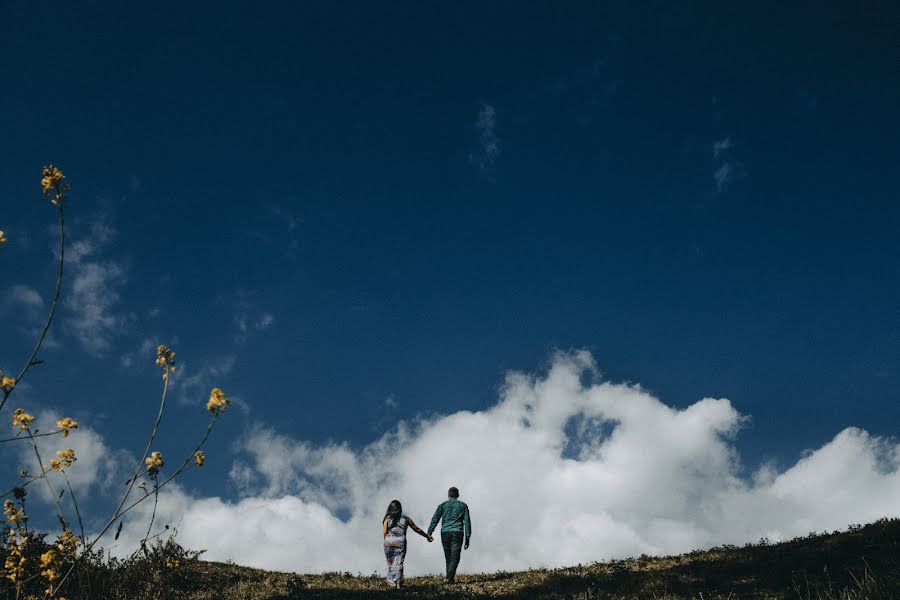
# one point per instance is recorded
(862, 562)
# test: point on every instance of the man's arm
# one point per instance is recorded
(467, 524)
(437, 517)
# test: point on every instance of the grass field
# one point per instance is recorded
(863, 562)
(860, 563)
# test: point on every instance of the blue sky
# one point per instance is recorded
(351, 216)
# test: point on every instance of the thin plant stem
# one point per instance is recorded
(59, 277)
(37, 455)
(120, 512)
(75, 504)
(153, 515)
(37, 435)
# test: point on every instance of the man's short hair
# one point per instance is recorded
(453, 492)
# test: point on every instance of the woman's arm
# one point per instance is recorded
(418, 530)
(384, 528)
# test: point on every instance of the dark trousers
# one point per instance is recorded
(452, 542)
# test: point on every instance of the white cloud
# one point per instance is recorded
(265, 321)
(92, 302)
(488, 143)
(98, 468)
(605, 467)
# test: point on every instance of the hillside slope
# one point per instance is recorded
(863, 562)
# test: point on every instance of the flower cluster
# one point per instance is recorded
(52, 183)
(21, 419)
(52, 560)
(7, 383)
(17, 538)
(65, 424)
(154, 463)
(14, 515)
(165, 358)
(199, 458)
(63, 460)
(2, 237)
(14, 565)
(217, 401)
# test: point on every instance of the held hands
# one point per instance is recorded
(429, 538)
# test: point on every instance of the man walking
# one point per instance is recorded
(455, 515)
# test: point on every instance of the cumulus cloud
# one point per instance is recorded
(92, 303)
(488, 142)
(607, 469)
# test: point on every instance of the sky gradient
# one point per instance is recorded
(351, 217)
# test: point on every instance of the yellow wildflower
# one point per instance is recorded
(66, 458)
(49, 563)
(154, 462)
(65, 424)
(7, 383)
(67, 542)
(21, 419)
(172, 563)
(13, 514)
(14, 565)
(164, 356)
(217, 401)
(2, 237)
(199, 458)
(52, 181)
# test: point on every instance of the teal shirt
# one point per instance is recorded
(455, 515)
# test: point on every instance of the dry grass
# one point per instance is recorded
(857, 564)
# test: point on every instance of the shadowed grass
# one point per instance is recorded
(862, 563)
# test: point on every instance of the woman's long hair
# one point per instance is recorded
(394, 510)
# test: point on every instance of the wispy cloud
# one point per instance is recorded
(92, 303)
(25, 303)
(145, 353)
(247, 317)
(727, 169)
(194, 384)
(721, 146)
(265, 321)
(489, 146)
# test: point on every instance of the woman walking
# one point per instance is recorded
(394, 530)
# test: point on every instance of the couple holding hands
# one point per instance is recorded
(456, 524)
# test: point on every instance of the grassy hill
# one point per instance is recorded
(863, 562)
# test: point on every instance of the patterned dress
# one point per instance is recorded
(395, 549)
